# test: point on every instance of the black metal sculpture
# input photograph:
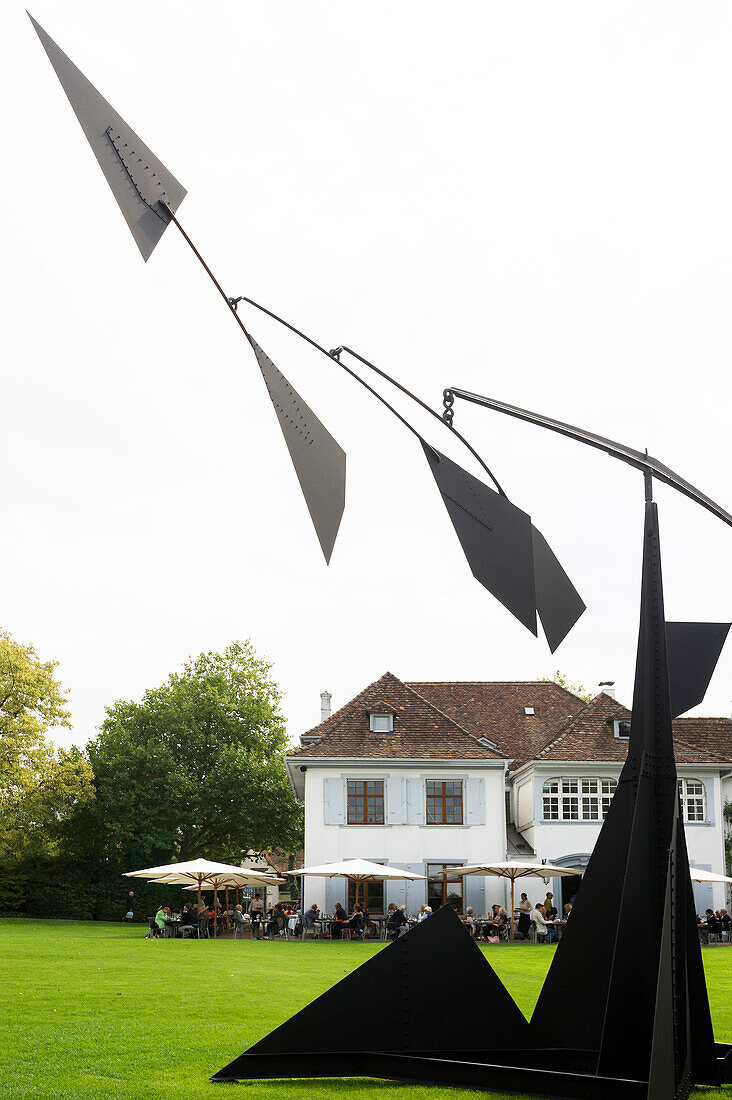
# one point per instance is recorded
(624, 1009)
(505, 552)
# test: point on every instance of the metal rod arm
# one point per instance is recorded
(382, 374)
(644, 462)
(427, 408)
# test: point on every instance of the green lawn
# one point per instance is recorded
(96, 1010)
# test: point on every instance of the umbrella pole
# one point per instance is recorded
(227, 908)
(199, 898)
(511, 919)
(216, 902)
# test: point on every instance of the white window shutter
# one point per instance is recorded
(416, 890)
(334, 799)
(415, 801)
(396, 888)
(475, 802)
(335, 890)
(396, 801)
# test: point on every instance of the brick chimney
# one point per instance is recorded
(325, 698)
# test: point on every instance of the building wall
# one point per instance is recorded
(405, 841)
(570, 843)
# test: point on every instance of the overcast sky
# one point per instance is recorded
(530, 200)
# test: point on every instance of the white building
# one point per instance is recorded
(427, 775)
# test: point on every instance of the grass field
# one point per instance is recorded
(96, 1010)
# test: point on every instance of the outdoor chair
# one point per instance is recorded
(203, 927)
(240, 926)
(533, 935)
(356, 931)
(153, 932)
(279, 925)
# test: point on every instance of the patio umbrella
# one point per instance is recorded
(200, 872)
(359, 870)
(246, 877)
(697, 875)
(513, 870)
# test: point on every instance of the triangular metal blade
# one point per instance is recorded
(137, 178)
(401, 999)
(557, 600)
(320, 463)
(693, 652)
(495, 536)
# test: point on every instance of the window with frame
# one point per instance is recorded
(370, 896)
(365, 802)
(442, 889)
(444, 802)
(693, 799)
(381, 723)
(568, 799)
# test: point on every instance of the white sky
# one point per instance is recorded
(528, 200)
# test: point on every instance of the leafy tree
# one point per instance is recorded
(576, 689)
(40, 787)
(196, 767)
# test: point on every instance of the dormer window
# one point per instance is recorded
(381, 723)
(621, 729)
(529, 712)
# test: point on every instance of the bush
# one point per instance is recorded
(78, 891)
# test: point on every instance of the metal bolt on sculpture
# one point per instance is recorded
(624, 1011)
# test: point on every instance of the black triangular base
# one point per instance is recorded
(419, 993)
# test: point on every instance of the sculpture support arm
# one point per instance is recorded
(644, 462)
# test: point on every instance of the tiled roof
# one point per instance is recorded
(712, 734)
(445, 720)
(496, 710)
(281, 862)
(421, 730)
(590, 736)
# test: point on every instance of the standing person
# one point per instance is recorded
(524, 907)
(550, 910)
(130, 905)
(256, 911)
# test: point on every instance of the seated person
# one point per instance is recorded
(309, 919)
(714, 926)
(356, 923)
(160, 918)
(499, 921)
(724, 920)
(340, 918)
(396, 920)
(545, 930)
(469, 920)
(425, 911)
(188, 918)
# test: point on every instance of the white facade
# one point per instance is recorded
(570, 843)
(405, 840)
